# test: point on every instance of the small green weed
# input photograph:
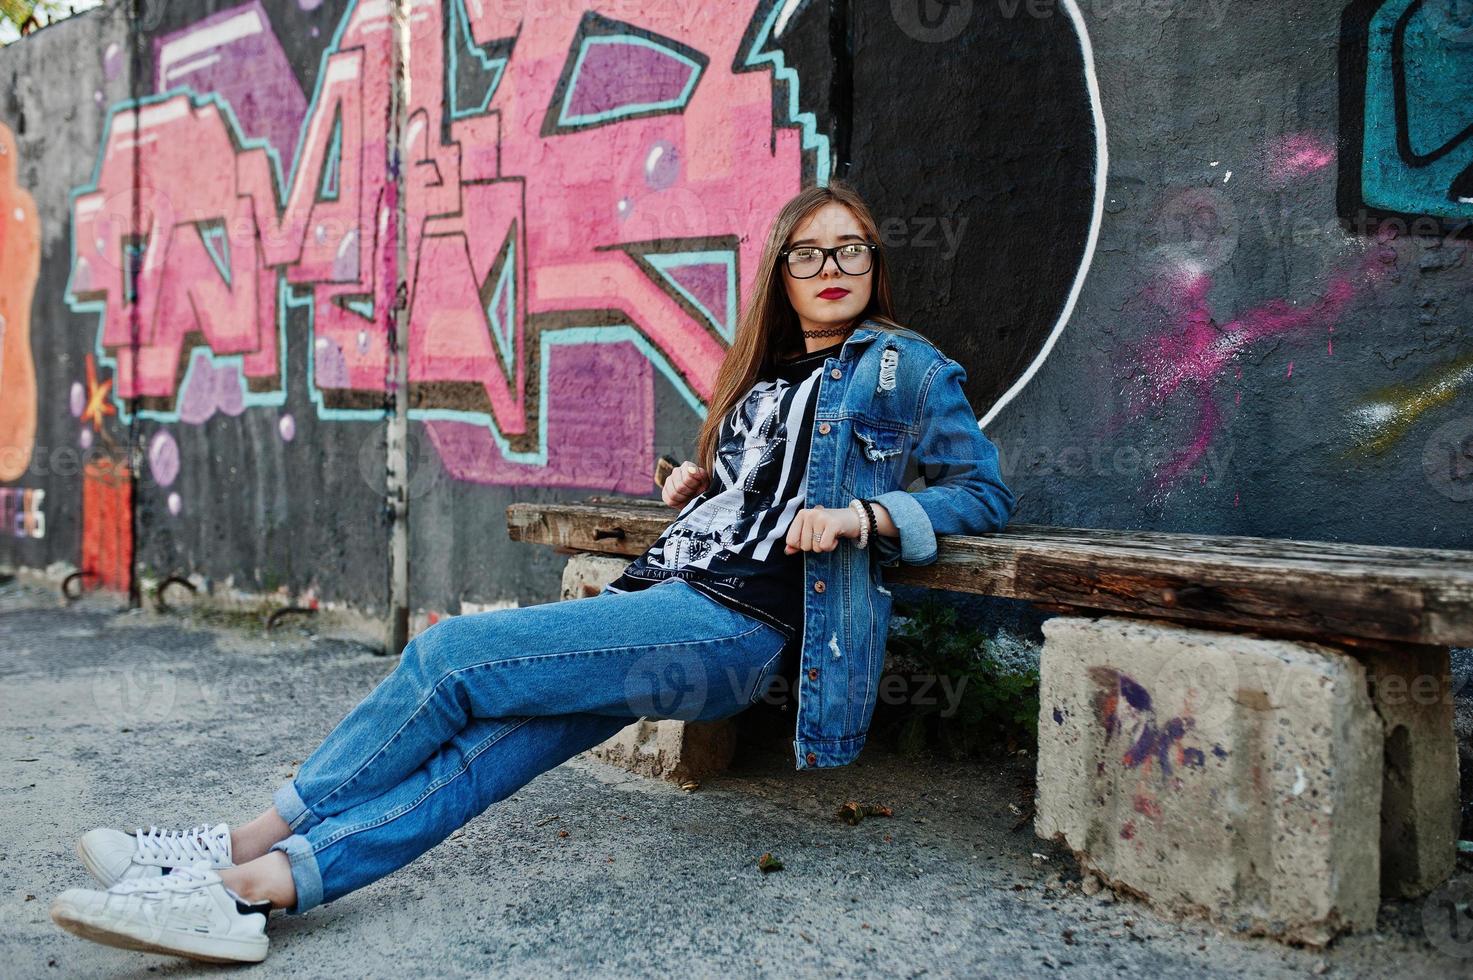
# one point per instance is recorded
(993, 704)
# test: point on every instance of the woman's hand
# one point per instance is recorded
(683, 483)
(819, 529)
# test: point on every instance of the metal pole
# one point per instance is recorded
(397, 429)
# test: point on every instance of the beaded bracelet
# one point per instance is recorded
(869, 509)
(864, 522)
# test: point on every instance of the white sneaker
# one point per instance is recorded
(113, 855)
(187, 912)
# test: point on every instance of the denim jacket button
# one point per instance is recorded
(819, 586)
(812, 758)
(836, 374)
(823, 428)
(813, 673)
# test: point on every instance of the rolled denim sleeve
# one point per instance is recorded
(964, 492)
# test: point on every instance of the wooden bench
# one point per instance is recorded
(1251, 729)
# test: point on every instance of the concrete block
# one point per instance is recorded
(668, 749)
(586, 573)
(664, 748)
(1216, 774)
(1411, 689)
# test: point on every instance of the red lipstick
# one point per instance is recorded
(833, 292)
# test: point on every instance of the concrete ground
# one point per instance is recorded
(118, 718)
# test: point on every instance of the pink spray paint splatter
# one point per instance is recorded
(1295, 156)
(1192, 351)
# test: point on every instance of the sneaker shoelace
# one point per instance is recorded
(182, 846)
(184, 877)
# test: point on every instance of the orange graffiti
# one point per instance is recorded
(97, 403)
(20, 264)
(107, 523)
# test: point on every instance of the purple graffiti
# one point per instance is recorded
(1124, 707)
(210, 388)
(1156, 742)
(1134, 694)
(245, 65)
(163, 457)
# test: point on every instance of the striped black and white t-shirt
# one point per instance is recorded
(728, 541)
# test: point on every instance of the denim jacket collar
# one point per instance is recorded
(860, 336)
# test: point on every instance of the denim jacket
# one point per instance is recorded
(890, 409)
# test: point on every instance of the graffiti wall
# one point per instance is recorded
(1273, 336)
(55, 421)
(174, 433)
(1206, 272)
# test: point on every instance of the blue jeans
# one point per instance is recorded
(481, 704)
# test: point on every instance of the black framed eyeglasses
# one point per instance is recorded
(807, 261)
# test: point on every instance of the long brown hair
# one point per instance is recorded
(769, 326)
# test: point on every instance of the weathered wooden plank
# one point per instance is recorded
(1322, 589)
(1276, 548)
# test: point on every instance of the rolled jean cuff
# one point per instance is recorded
(306, 876)
(917, 533)
(289, 805)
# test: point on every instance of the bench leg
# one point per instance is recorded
(679, 751)
(1217, 774)
(1411, 689)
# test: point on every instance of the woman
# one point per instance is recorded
(823, 408)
